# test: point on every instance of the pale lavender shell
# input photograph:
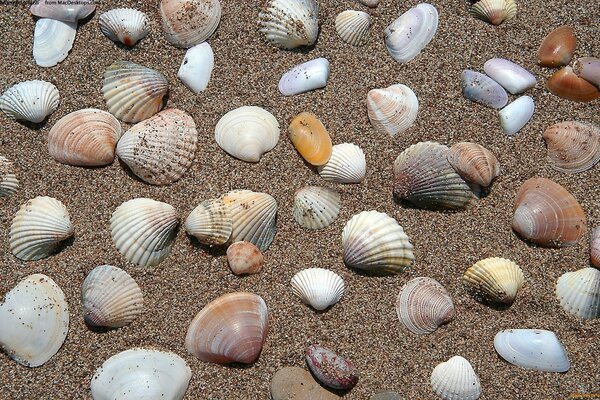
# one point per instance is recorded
(588, 68)
(509, 75)
(331, 369)
(482, 89)
(305, 77)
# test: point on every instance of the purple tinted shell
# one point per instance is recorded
(331, 369)
(483, 90)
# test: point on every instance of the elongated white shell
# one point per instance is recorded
(482, 89)
(318, 287)
(516, 115)
(70, 11)
(35, 320)
(511, 76)
(579, 293)
(210, 222)
(30, 101)
(532, 348)
(455, 379)
(305, 77)
(411, 32)
(124, 25)
(392, 110)
(52, 41)
(290, 23)
(316, 207)
(8, 180)
(353, 27)
(347, 164)
(196, 67)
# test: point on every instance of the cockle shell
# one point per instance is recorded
(110, 297)
(161, 149)
(588, 68)
(494, 11)
(138, 373)
(411, 32)
(495, 279)
(30, 101)
(474, 163)
(133, 92)
(305, 77)
(564, 83)
(85, 138)
(392, 110)
(244, 258)
(579, 293)
(70, 11)
(210, 222)
(509, 75)
(375, 242)
(423, 305)
(247, 133)
(595, 248)
(572, 146)
(35, 320)
(310, 138)
(532, 348)
(347, 164)
(353, 27)
(455, 379)
(547, 214)
(8, 180)
(231, 328)
(557, 48)
(52, 41)
(196, 68)
(316, 207)
(39, 228)
(331, 369)
(318, 287)
(290, 23)
(125, 25)
(143, 230)
(482, 89)
(516, 115)
(187, 23)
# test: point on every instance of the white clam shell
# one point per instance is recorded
(35, 320)
(318, 287)
(392, 110)
(196, 67)
(455, 379)
(305, 77)
(515, 116)
(210, 222)
(579, 293)
(316, 207)
(509, 75)
(187, 23)
(347, 164)
(30, 101)
(411, 32)
(290, 23)
(532, 348)
(52, 41)
(353, 27)
(125, 25)
(70, 11)
(8, 180)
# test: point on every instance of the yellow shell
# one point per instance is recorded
(310, 138)
(495, 279)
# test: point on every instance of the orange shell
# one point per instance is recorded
(310, 138)
(572, 146)
(564, 83)
(557, 48)
(474, 163)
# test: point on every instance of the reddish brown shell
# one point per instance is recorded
(595, 248)
(564, 83)
(331, 369)
(572, 146)
(244, 258)
(474, 163)
(557, 48)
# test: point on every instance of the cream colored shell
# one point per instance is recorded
(124, 25)
(318, 287)
(353, 27)
(347, 164)
(316, 207)
(30, 101)
(392, 110)
(8, 180)
(290, 23)
(210, 222)
(495, 279)
(579, 293)
(455, 379)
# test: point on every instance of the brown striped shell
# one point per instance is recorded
(572, 146)
(474, 163)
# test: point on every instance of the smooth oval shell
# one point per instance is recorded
(331, 369)
(533, 349)
(124, 25)
(8, 180)
(572, 146)
(455, 379)
(386, 395)
(516, 115)
(474, 163)
(579, 293)
(564, 83)
(557, 48)
(411, 32)
(318, 287)
(495, 279)
(483, 90)
(588, 68)
(347, 164)
(353, 27)
(244, 258)
(310, 138)
(494, 11)
(290, 23)
(316, 207)
(52, 41)
(30, 101)
(187, 23)
(210, 222)
(392, 110)
(595, 248)
(70, 11)
(305, 77)
(509, 75)
(297, 383)
(196, 68)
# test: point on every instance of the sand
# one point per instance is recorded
(363, 326)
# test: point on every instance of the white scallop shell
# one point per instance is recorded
(8, 180)
(124, 25)
(392, 110)
(411, 32)
(210, 222)
(516, 115)
(305, 77)
(290, 23)
(347, 164)
(70, 11)
(353, 27)
(187, 23)
(318, 287)
(532, 348)
(455, 379)
(316, 207)
(30, 101)
(579, 293)
(52, 41)
(196, 67)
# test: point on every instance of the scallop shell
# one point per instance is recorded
(244, 258)
(595, 248)
(247, 133)
(588, 68)
(231, 328)
(124, 25)
(290, 23)
(494, 11)
(110, 297)
(516, 115)
(495, 279)
(411, 32)
(511, 76)
(455, 379)
(347, 164)
(85, 138)
(133, 92)
(533, 349)
(557, 48)
(474, 163)
(210, 222)
(316, 207)
(305, 77)
(35, 320)
(572, 146)
(187, 23)
(579, 293)
(160, 149)
(353, 27)
(564, 83)
(143, 230)
(392, 110)
(547, 214)
(70, 11)
(483, 90)
(375, 242)
(52, 41)
(30, 101)
(8, 180)
(310, 138)
(318, 287)
(330, 368)
(196, 69)
(39, 228)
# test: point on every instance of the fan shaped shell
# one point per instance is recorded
(125, 25)
(455, 379)
(290, 23)
(595, 248)
(392, 110)
(316, 207)
(557, 48)
(495, 279)
(411, 32)
(187, 23)
(210, 222)
(483, 90)
(474, 163)
(533, 349)
(30, 101)
(347, 164)
(579, 293)
(494, 11)
(572, 146)
(353, 27)
(52, 41)
(310, 138)
(8, 180)
(318, 287)
(244, 258)
(70, 11)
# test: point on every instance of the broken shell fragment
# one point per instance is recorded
(494, 11)
(316, 207)
(290, 23)
(557, 48)
(310, 138)
(509, 75)
(70, 11)
(8, 180)
(187, 23)
(411, 32)
(579, 293)
(572, 146)
(297, 383)
(305, 77)
(196, 68)
(330, 368)
(455, 379)
(244, 258)
(533, 349)
(347, 164)
(494, 279)
(564, 83)
(318, 287)
(482, 89)
(595, 248)
(52, 41)
(588, 68)
(353, 27)
(392, 110)
(516, 115)
(124, 25)
(474, 163)
(30, 101)
(210, 222)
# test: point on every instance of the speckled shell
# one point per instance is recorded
(318, 287)
(187, 23)
(564, 83)
(331, 369)
(474, 163)
(455, 379)
(52, 41)
(532, 348)
(557, 48)
(572, 146)
(353, 27)
(494, 11)
(124, 25)
(494, 279)
(588, 68)
(30, 101)
(595, 248)
(392, 110)
(68, 11)
(210, 222)
(290, 23)
(310, 138)
(483, 90)
(579, 293)
(305, 77)
(8, 180)
(316, 207)
(411, 32)
(244, 258)
(347, 164)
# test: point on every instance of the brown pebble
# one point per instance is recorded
(298, 384)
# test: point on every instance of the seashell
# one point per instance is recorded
(533, 349)
(516, 115)
(133, 92)
(244, 258)
(141, 374)
(375, 242)
(8, 180)
(564, 83)
(495, 279)
(110, 297)
(494, 11)
(572, 146)
(30, 101)
(231, 328)
(318, 287)
(353, 27)
(310, 138)
(557, 48)
(187, 23)
(595, 248)
(424, 177)
(588, 68)
(39, 228)
(85, 138)
(331, 369)
(509, 75)
(52, 41)
(392, 110)
(124, 25)
(411, 32)
(483, 90)
(210, 222)
(64, 11)
(290, 23)
(316, 207)
(305, 77)
(247, 133)
(254, 217)
(579, 293)
(143, 230)
(347, 164)
(547, 214)
(35, 320)
(474, 163)
(297, 383)
(423, 305)
(455, 379)
(196, 68)
(369, 3)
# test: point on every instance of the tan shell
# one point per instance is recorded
(572, 146)
(557, 48)
(494, 11)
(310, 138)
(290, 23)
(474, 163)
(244, 258)
(187, 23)
(595, 248)
(494, 279)
(564, 83)
(316, 207)
(579, 293)
(210, 222)
(353, 27)
(8, 180)
(392, 110)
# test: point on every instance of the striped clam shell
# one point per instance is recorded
(595, 248)
(579, 293)
(474, 163)
(353, 27)
(392, 110)
(290, 23)
(494, 11)
(495, 279)
(572, 146)
(187, 23)
(455, 379)
(125, 25)
(316, 207)
(318, 287)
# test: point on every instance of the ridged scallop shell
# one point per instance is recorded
(353, 27)
(494, 11)
(52, 41)
(290, 23)
(187, 23)
(347, 164)
(110, 297)
(316, 207)
(318, 287)
(411, 32)
(579, 293)
(564, 83)
(572, 146)
(244, 258)
(375, 242)
(30, 101)
(124, 25)
(557, 48)
(160, 149)
(595, 248)
(35, 320)
(547, 214)
(392, 110)
(455, 379)
(483, 90)
(133, 92)
(310, 138)
(70, 11)
(39, 228)
(210, 222)
(588, 68)
(532, 348)
(423, 304)
(85, 138)
(247, 133)
(231, 328)
(474, 163)
(143, 230)
(330, 368)
(495, 279)
(516, 115)
(8, 180)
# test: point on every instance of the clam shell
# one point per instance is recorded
(67, 11)
(244, 258)
(494, 11)
(316, 207)
(353, 27)
(423, 305)
(411, 32)
(196, 69)
(595, 248)
(210, 222)
(474, 163)
(187, 23)
(8, 180)
(557, 48)
(231, 328)
(30, 101)
(564, 83)
(143, 230)
(160, 149)
(290, 23)
(39, 228)
(533, 349)
(318, 287)
(509, 75)
(579, 293)
(35, 320)
(310, 138)
(516, 115)
(347, 164)
(305, 77)
(483, 90)
(455, 379)
(110, 297)
(85, 138)
(375, 242)
(588, 68)
(124, 25)
(495, 279)
(572, 146)
(52, 41)
(331, 369)
(392, 110)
